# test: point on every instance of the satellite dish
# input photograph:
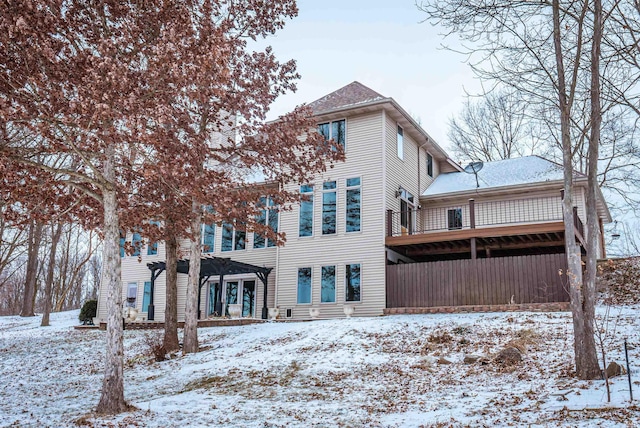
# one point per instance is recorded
(474, 168)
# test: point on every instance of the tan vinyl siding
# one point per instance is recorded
(444, 167)
(364, 160)
(400, 172)
(425, 179)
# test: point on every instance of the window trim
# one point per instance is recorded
(310, 286)
(346, 207)
(311, 199)
(344, 119)
(334, 190)
(335, 284)
(400, 142)
(454, 227)
(345, 283)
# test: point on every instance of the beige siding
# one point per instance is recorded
(364, 159)
(425, 179)
(400, 172)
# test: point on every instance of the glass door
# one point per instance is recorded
(248, 298)
(213, 292)
(232, 295)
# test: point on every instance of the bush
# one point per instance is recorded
(88, 311)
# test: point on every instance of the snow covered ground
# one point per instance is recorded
(350, 372)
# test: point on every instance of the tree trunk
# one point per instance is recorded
(171, 309)
(193, 287)
(35, 237)
(590, 368)
(55, 237)
(112, 394)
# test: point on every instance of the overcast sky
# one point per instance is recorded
(381, 44)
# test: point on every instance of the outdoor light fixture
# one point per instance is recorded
(399, 191)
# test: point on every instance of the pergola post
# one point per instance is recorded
(155, 273)
(264, 277)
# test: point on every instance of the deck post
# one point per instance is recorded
(472, 225)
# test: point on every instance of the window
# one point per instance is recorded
(267, 216)
(352, 283)
(335, 130)
(232, 295)
(454, 218)
(406, 210)
(208, 237)
(353, 205)
(304, 285)
(122, 241)
(232, 239)
(214, 291)
(400, 142)
(305, 227)
(136, 242)
(132, 294)
(152, 248)
(429, 165)
(329, 208)
(328, 284)
(146, 297)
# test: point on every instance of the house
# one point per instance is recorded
(398, 224)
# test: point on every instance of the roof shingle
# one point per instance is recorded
(353, 94)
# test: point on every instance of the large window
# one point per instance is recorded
(306, 211)
(267, 216)
(328, 284)
(454, 218)
(152, 248)
(429, 165)
(352, 283)
(400, 142)
(353, 205)
(232, 239)
(208, 237)
(146, 296)
(329, 208)
(335, 130)
(304, 285)
(123, 239)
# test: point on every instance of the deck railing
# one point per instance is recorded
(477, 214)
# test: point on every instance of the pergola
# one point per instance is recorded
(211, 266)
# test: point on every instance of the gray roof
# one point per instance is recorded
(351, 95)
(508, 172)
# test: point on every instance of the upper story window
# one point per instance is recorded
(268, 216)
(454, 218)
(429, 165)
(329, 208)
(232, 239)
(400, 142)
(136, 242)
(335, 130)
(208, 237)
(305, 227)
(122, 241)
(152, 248)
(353, 205)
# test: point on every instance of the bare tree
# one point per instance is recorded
(540, 49)
(495, 126)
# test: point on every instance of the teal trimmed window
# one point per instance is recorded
(146, 297)
(136, 242)
(122, 241)
(328, 284)
(305, 227)
(329, 207)
(353, 201)
(352, 283)
(304, 285)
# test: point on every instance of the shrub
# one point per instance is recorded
(155, 346)
(88, 311)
